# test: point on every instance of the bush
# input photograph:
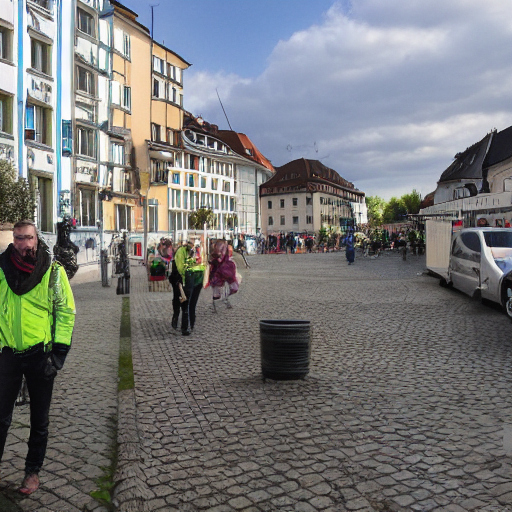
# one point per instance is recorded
(16, 200)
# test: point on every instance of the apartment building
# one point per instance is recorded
(164, 148)
(305, 195)
(128, 110)
(8, 80)
(254, 170)
(38, 47)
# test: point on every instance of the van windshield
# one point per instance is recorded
(498, 238)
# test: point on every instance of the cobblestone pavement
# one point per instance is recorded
(83, 414)
(407, 406)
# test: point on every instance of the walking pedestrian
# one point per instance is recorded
(187, 282)
(222, 270)
(350, 252)
(36, 325)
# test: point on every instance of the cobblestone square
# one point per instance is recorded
(406, 406)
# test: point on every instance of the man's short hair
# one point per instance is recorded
(25, 222)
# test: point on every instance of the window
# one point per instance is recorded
(309, 219)
(67, 138)
(6, 114)
(270, 205)
(173, 137)
(270, 221)
(158, 65)
(115, 92)
(43, 188)
(203, 182)
(126, 45)
(156, 132)
(38, 124)
(153, 217)
(123, 217)
(294, 201)
(215, 183)
(117, 153)
(127, 98)
(190, 180)
(460, 192)
(43, 3)
(5, 43)
(226, 186)
(122, 42)
(282, 220)
(87, 207)
(309, 200)
(85, 22)
(85, 141)
(85, 80)
(295, 220)
(40, 56)
(159, 171)
(281, 203)
(156, 88)
(467, 247)
(176, 178)
(172, 94)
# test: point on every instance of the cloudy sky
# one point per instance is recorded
(385, 92)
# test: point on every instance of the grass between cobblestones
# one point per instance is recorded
(105, 483)
(125, 349)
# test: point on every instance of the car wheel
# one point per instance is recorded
(507, 298)
(508, 307)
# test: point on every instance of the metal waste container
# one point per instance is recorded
(285, 348)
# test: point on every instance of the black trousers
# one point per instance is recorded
(188, 308)
(39, 376)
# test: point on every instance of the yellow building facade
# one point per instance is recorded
(164, 145)
(129, 122)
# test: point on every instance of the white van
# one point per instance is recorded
(480, 263)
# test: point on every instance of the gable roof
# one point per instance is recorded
(501, 148)
(241, 144)
(467, 165)
(301, 172)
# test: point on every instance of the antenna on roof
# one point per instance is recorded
(223, 110)
(153, 5)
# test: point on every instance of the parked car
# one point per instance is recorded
(480, 263)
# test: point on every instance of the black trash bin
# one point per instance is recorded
(285, 348)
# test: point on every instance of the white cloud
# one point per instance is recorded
(385, 94)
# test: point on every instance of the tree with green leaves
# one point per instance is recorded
(200, 217)
(16, 200)
(394, 211)
(412, 201)
(375, 206)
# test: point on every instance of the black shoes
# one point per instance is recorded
(174, 322)
(185, 332)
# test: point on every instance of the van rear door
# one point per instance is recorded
(438, 243)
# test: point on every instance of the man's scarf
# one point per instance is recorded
(21, 264)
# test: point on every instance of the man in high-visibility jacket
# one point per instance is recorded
(37, 315)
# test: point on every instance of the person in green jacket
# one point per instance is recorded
(37, 316)
(189, 272)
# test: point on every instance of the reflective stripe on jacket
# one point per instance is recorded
(27, 320)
